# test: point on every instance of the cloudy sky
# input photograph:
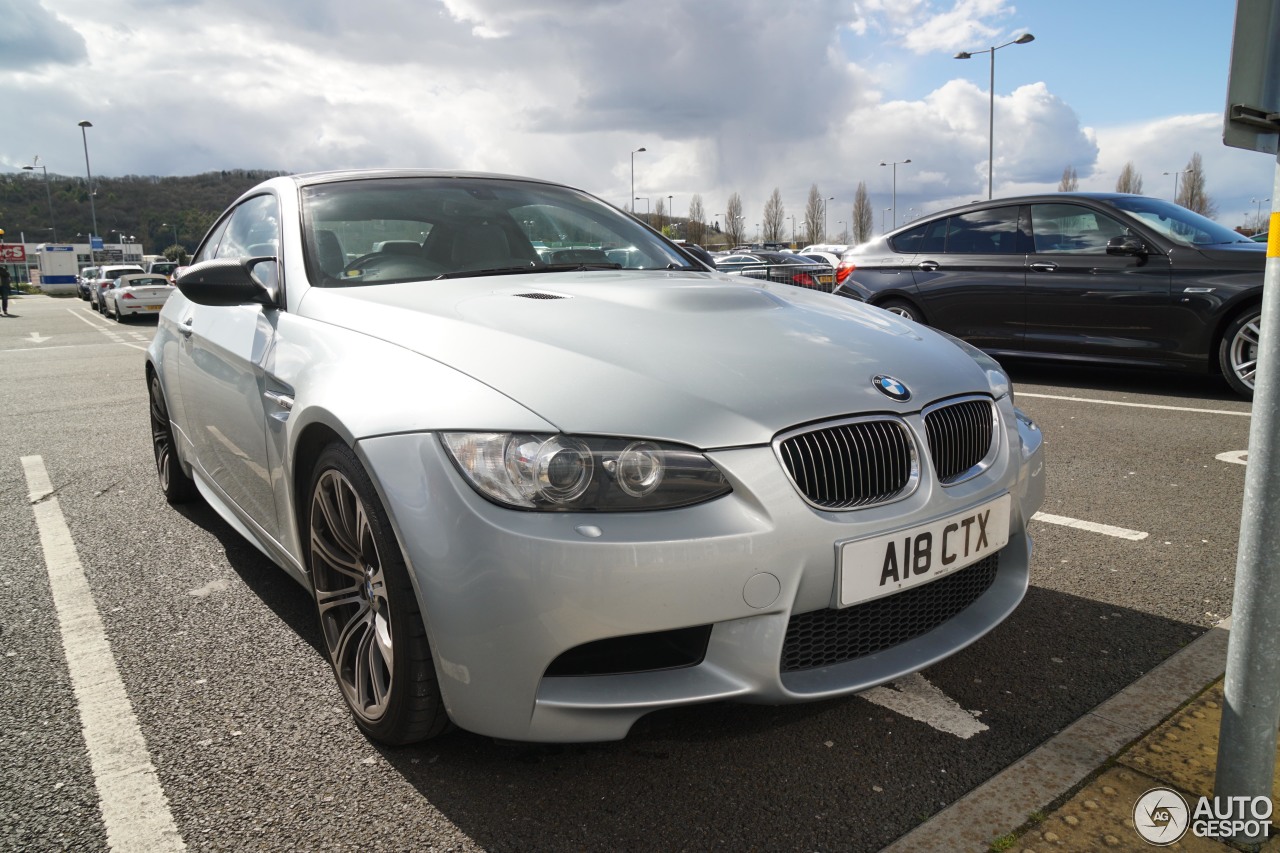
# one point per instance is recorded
(725, 95)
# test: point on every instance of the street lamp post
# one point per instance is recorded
(991, 99)
(175, 230)
(895, 164)
(53, 226)
(841, 224)
(671, 212)
(883, 230)
(633, 177)
(1175, 182)
(1257, 220)
(826, 218)
(93, 213)
(645, 199)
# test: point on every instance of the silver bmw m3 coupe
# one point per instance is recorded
(543, 473)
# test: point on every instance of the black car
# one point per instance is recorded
(1097, 277)
(784, 267)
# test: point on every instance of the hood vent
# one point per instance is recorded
(536, 295)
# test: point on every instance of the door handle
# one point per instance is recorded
(928, 266)
(1044, 266)
(185, 327)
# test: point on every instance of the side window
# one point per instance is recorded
(209, 250)
(929, 237)
(1072, 228)
(984, 232)
(253, 230)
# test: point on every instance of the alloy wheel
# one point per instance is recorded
(1244, 351)
(351, 595)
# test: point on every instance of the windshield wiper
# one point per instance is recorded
(487, 271)
(577, 266)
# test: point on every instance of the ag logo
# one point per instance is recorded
(1161, 816)
(891, 388)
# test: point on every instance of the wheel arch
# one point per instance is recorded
(313, 439)
(901, 296)
(1225, 319)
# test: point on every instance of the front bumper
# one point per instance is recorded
(506, 593)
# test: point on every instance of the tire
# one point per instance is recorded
(374, 634)
(177, 486)
(1238, 351)
(902, 308)
(119, 314)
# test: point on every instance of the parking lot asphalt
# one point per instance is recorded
(219, 657)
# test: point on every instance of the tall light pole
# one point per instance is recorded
(882, 213)
(1175, 182)
(93, 213)
(671, 212)
(991, 99)
(826, 218)
(633, 177)
(175, 230)
(895, 164)
(53, 226)
(1257, 221)
(645, 199)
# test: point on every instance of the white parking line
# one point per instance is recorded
(1091, 526)
(916, 697)
(1136, 405)
(110, 330)
(1236, 457)
(134, 808)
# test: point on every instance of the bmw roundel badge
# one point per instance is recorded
(891, 388)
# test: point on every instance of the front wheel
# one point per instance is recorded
(1238, 351)
(373, 630)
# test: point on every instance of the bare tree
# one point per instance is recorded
(864, 218)
(1130, 180)
(813, 211)
(1069, 183)
(697, 220)
(773, 217)
(733, 220)
(1191, 194)
(659, 214)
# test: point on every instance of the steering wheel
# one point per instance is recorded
(388, 265)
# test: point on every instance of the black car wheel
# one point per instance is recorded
(902, 308)
(373, 629)
(174, 482)
(1238, 352)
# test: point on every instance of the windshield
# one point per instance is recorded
(384, 230)
(1177, 223)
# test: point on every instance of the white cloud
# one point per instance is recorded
(726, 95)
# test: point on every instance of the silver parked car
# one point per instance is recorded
(543, 498)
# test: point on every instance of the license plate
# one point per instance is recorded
(882, 565)
(150, 307)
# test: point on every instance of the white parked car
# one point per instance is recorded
(104, 277)
(144, 293)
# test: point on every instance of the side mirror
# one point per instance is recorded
(1127, 244)
(227, 281)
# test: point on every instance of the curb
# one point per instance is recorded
(1004, 803)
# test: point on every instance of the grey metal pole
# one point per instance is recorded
(991, 124)
(1247, 737)
(93, 213)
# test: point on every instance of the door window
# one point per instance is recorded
(984, 232)
(1071, 228)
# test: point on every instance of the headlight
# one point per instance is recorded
(999, 381)
(565, 473)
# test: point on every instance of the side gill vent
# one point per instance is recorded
(536, 295)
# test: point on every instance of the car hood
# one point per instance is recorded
(690, 358)
(1240, 255)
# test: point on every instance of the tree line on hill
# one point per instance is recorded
(160, 213)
